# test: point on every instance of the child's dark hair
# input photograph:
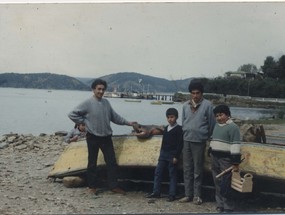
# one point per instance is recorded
(172, 111)
(196, 84)
(99, 82)
(222, 109)
(77, 125)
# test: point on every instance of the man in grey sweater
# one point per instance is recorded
(97, 113)
(198, 122)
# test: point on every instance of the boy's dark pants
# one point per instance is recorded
(94, 143)
(172, 169)
(218, 165)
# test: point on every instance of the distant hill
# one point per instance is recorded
(131, 81)
(41, 81)
(122, 82)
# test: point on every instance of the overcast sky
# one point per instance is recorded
(167, 40)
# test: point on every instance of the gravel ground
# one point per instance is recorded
(25, 161)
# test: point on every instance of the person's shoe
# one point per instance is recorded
(170, 198)
(118, 190)
(153, 195)
(185, 199)
(197, 200)
(220, 209)
(228, 211)
(92, 191)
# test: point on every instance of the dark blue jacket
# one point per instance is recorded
(172, 143)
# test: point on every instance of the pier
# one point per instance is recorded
(156, 96)
(164, 96)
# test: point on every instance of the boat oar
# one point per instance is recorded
(226, 170)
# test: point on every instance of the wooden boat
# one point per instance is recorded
(262, 160)
(157, 102)
(167, 102)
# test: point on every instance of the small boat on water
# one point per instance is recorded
(133, 100)
(112, 95)
(167, 102)
(160, 102)
(157, 102)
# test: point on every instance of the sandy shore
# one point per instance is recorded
(26, 160)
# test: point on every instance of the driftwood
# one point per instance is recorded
(73, 181)
(253, 133)
(146, 131)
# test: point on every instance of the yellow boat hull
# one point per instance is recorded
(130, 151)
(263, 160)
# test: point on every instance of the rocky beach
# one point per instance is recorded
(26, 160)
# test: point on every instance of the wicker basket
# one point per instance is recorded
(242, 184)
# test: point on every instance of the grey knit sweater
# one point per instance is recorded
(198, 126)
(97, 115)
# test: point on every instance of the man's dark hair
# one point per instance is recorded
(222, 109)
(196, 84)
(98, 82)
(172, 111)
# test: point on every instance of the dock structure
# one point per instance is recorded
(164, 96)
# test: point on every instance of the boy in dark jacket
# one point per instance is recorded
(171, 147)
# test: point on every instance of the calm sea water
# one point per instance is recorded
(34, 111)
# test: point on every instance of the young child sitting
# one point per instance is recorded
(78, 132)
(171, 147)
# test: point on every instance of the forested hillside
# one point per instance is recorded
(130, 81)
(41, 81)
(268, 81)
(123, 82)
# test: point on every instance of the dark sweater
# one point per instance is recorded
(172, 143)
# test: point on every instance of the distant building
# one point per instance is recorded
(244, 75)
